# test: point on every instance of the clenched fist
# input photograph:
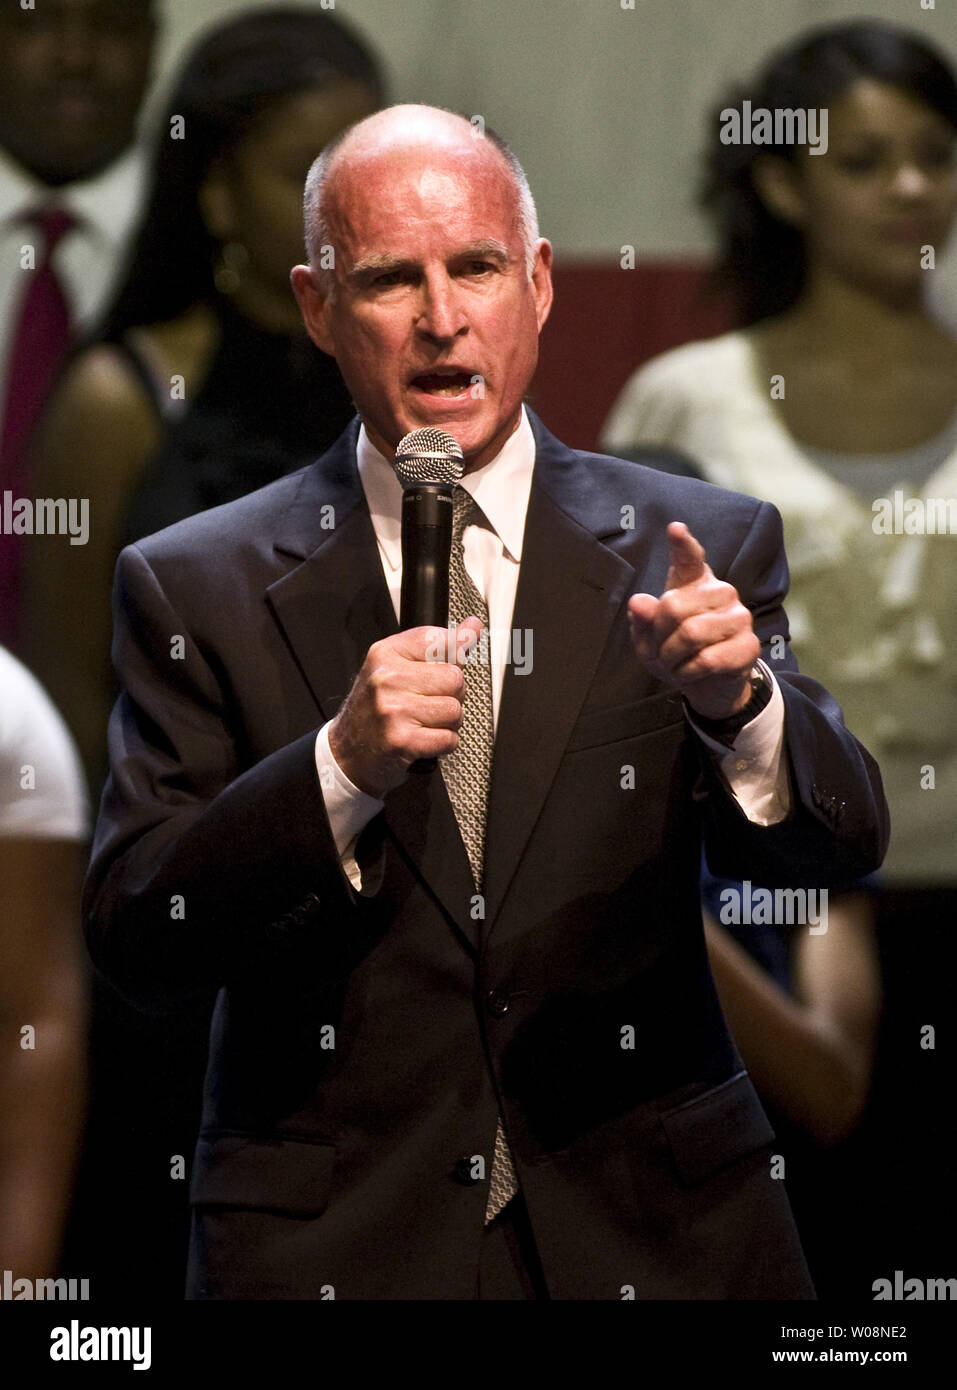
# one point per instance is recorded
(404, 704)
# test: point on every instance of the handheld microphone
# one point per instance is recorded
(429, 463)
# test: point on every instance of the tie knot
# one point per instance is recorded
(465, 511)
(54, 223)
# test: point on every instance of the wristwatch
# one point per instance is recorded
(727, 730)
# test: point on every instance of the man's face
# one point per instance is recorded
(432, 318)
(74, 74)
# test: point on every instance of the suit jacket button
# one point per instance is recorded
(497, 1001)
(463, 1172)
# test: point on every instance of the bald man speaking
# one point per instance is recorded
(466, 1042)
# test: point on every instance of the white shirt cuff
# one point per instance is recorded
(349, 809)
(755, 767)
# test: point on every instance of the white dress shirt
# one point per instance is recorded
(754, 768)
(88, 258)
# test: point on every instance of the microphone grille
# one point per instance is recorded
(429, 456)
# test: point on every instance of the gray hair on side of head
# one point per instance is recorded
(318, 235)
(527, 212)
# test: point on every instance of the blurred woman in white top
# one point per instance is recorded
(44, 828)
(836, 399)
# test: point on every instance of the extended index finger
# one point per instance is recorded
(687, 561)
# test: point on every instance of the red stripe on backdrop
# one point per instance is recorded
(604, 323)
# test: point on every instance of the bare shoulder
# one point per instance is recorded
(100, 426)
(101, 387)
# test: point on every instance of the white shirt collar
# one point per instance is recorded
(500, 487)
(107, 204)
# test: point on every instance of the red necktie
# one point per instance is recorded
(37, 344)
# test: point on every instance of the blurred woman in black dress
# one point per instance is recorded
(202, 384)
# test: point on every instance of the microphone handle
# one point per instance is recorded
(426, 548)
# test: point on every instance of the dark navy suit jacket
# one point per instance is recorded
(362, 1047)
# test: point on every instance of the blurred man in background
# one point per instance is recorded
(74, 76)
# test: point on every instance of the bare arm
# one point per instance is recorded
(42, 1072)
(810, 1055)
(94, 442)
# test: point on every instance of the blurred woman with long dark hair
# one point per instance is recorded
(203, 384)
(836, 399)
(838, 388)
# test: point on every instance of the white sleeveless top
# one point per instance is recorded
(42, 791)
(873, 616)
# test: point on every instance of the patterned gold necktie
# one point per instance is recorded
(466, 771)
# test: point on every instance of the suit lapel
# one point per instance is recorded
(331, 608)
(335, 604)
(570, 589)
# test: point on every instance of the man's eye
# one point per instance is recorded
(479, 267)
(387, 278)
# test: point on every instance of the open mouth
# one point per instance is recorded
(449, 381)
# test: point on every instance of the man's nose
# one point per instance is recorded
(441, 314)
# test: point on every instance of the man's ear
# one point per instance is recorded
(313, 305)
(777, 183)
(542, 281)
